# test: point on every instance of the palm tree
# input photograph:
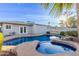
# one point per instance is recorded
(57, 9)
(71, 22)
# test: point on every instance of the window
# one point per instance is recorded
(21, 29)
(24, 29)
(8, 26)
(0, 29)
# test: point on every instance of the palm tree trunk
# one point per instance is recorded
(78, 18)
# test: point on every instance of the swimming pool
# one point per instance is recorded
(20, 40)
(54, 47)
(44, 46)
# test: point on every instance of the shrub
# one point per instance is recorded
(1, 40)
(69, 33)
(62, 33)
(47, 32)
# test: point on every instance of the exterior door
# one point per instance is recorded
(23, 30)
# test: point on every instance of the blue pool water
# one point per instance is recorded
(53, 48)
(20, 40)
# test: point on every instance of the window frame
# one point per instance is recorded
(8, 26)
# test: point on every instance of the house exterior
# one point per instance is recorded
(9, 28)
(16, 27)
(13, 28)
(39, 28)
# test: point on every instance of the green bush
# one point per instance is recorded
(47, 32)
(62, 33)
(69, 33)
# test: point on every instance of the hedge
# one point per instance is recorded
(69, 33)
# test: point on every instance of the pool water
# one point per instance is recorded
(53, 48)
(20, 40)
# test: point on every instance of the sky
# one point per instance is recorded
(27, 12)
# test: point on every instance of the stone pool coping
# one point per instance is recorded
(71, 43)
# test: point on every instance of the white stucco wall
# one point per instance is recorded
(39, 29)
(30, 29)
(6, 31)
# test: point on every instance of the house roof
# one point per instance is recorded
(28, 23)
(17, 23)
(43, 25)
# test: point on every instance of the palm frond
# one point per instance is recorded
(45, 5)
(57, 9)
(68, 5)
